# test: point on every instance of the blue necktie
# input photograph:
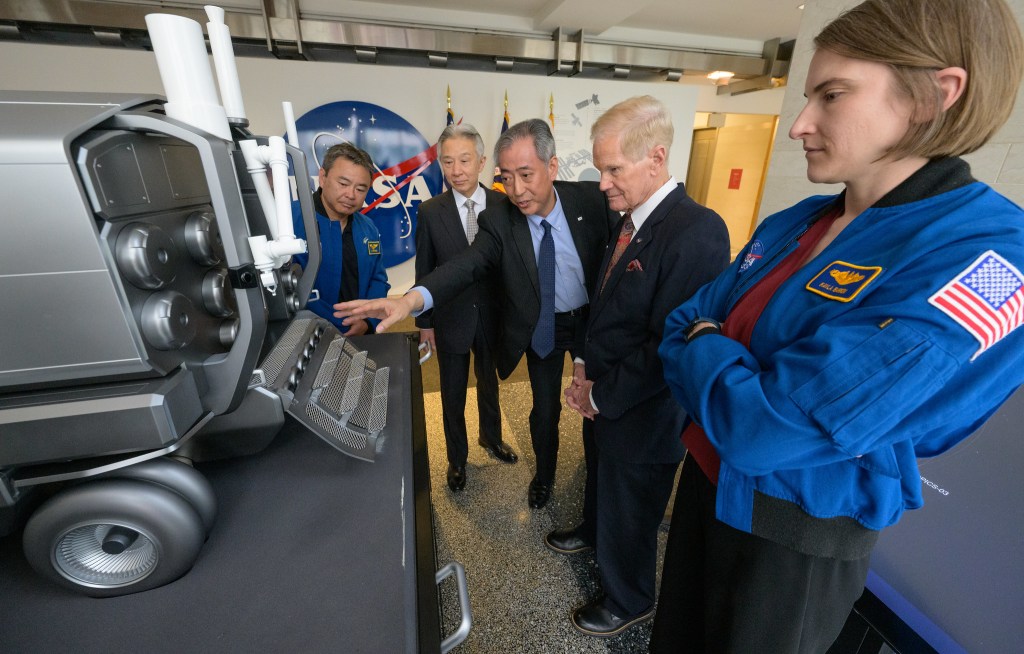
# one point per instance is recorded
(544, 333)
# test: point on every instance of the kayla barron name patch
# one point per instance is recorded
(842, 281)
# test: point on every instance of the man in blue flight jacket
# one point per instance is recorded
(352, 266)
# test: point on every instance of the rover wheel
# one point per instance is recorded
(179, 477)
(114, 537)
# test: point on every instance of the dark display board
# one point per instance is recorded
(953, 571)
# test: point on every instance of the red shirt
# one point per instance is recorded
(739, 325)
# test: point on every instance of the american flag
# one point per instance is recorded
(986, 299)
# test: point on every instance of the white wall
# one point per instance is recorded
(417, 94)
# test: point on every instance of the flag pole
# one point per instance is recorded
(497, 185)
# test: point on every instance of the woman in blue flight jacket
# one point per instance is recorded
(854, 333)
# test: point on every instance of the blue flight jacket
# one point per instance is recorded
(853, 370)
(373, 278)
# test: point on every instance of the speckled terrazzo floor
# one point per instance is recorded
(520, 592)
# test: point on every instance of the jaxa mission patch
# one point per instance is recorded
(842, 281)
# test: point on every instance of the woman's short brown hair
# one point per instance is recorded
(916, 38)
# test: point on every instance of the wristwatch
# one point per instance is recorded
(710, 326)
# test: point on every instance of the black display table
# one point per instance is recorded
(312, 551)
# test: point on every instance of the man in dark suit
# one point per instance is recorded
(544, 230)
(667, 246)
(446, 225)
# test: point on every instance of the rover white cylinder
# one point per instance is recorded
(185, 72)
(278, 161)
(289, 125)
(257, 168)
(224, 62)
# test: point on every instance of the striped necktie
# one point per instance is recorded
(625, 236)
(471, 226)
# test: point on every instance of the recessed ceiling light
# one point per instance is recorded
(721, 75)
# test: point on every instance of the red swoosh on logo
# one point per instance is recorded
(423, 159)
(395, 188)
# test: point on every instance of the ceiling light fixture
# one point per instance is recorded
(720, 77)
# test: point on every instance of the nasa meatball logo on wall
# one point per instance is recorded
(406, 166)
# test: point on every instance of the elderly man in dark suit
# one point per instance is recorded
(545, 242)
(446, 225)
(667, 246)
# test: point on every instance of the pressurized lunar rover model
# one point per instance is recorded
(152, 317)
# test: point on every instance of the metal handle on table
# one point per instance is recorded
(462, 632)
(423, 359)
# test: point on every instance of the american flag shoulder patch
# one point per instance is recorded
(986, 299)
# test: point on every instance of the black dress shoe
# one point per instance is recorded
(568, 541)
(501, 451)
(456, 477)
(594, 619)
(539, 494)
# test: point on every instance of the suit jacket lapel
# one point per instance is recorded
(574, 217)
(524, 243)
(598, 300)
(640, 241)
(452, 221)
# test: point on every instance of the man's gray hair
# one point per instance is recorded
(641, 123)
(462, 131)
(534, 128)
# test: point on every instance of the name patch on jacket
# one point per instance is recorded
(373, 247)
(986, 299)
(842, 281)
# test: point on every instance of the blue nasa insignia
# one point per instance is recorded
(755, 252)
(407, 171)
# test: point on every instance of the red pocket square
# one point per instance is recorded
(634, 265)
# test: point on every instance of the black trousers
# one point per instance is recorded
(546, 385)
(628, 503)
(724, 590)
(453, 370)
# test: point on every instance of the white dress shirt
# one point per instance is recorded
(479, 199)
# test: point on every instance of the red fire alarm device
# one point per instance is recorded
(734, 178)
